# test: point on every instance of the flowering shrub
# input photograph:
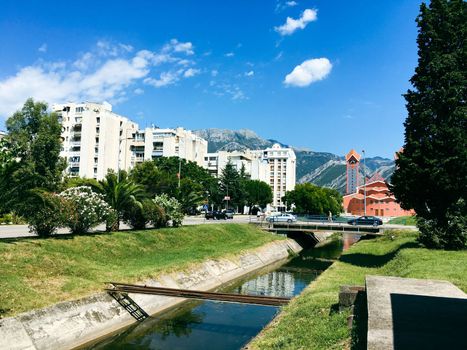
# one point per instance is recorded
(88, 209)
(44, 211)
(172, 208)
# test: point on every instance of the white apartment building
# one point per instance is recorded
(153, 143)
(93, 138)
(216, 162)
(275, 165)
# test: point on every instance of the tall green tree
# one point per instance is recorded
(314, 200)
(231, 185)
(31, 164)
(258, 193)
(431, 172)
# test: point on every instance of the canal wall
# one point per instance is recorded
(70, 324)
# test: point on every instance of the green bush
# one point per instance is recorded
(172, 208)
(44, 211)
(448, 234)
(88, 209)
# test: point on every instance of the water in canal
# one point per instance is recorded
(217, 325)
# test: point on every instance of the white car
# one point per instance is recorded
(283, 217)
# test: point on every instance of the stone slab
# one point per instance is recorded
(407, 313)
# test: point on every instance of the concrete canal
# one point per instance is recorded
(218, 325)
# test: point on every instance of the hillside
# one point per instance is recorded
(320, 168)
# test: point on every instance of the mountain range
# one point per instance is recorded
(320, 168)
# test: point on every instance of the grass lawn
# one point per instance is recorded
(311, 322)
(39, 272)
(404, 220)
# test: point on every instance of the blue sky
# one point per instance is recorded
(330, 78)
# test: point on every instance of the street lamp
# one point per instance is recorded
(364, 183)
(119, 151)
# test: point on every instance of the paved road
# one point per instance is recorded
(16, 231)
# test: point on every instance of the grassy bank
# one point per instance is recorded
(39, 272)
(311, 321)
(404, 220)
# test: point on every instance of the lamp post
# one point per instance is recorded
(119, 151)
(364, 183)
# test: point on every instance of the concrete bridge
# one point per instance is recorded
(316, 232)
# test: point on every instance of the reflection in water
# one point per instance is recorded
(208, 325)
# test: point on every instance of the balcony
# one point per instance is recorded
(74, 164)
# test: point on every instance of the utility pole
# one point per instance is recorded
(364, 183)
(179, 170)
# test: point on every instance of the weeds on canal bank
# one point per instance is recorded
(39, 272)
(311, 321)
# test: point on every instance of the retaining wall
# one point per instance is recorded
(69, 324)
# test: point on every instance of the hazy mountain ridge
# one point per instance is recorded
(320, 168)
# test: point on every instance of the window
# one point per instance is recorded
(79, 109)
(98, 120)
(97, 130)
(97, 140)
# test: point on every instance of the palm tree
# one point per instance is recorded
(120, 193)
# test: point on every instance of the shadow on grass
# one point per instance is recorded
(372, 260)
(360, 323)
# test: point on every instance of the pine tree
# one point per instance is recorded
(431, 174)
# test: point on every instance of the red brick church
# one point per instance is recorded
(379, 200)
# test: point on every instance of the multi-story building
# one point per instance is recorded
(94, 138)
(2, 134)
(153, 143)
(275, 165)
(216, 162)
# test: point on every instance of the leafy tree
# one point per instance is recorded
(31, 165)
(154, 180)
(314, 200)
(431, 172)
(258, 193)
(232, 185)
(121, 194)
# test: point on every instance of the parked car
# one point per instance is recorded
(366, 220)
(215, 215)
(283, 217)
(229, 213)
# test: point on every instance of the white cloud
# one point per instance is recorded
(138, 91)
(42, 48)
(104, 73)
(177, 46)
(291, 25)
(214, 73)
(165, 78)
(229, 54)
(279, 56)
(226, 89)
(309, 72)
(191, 72)
(250, 73)
(281, 6)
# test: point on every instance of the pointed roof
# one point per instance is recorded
(376, 177)
(351, 154)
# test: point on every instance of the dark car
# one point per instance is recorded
(215, 215)
(366, 220)
(229, 213)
